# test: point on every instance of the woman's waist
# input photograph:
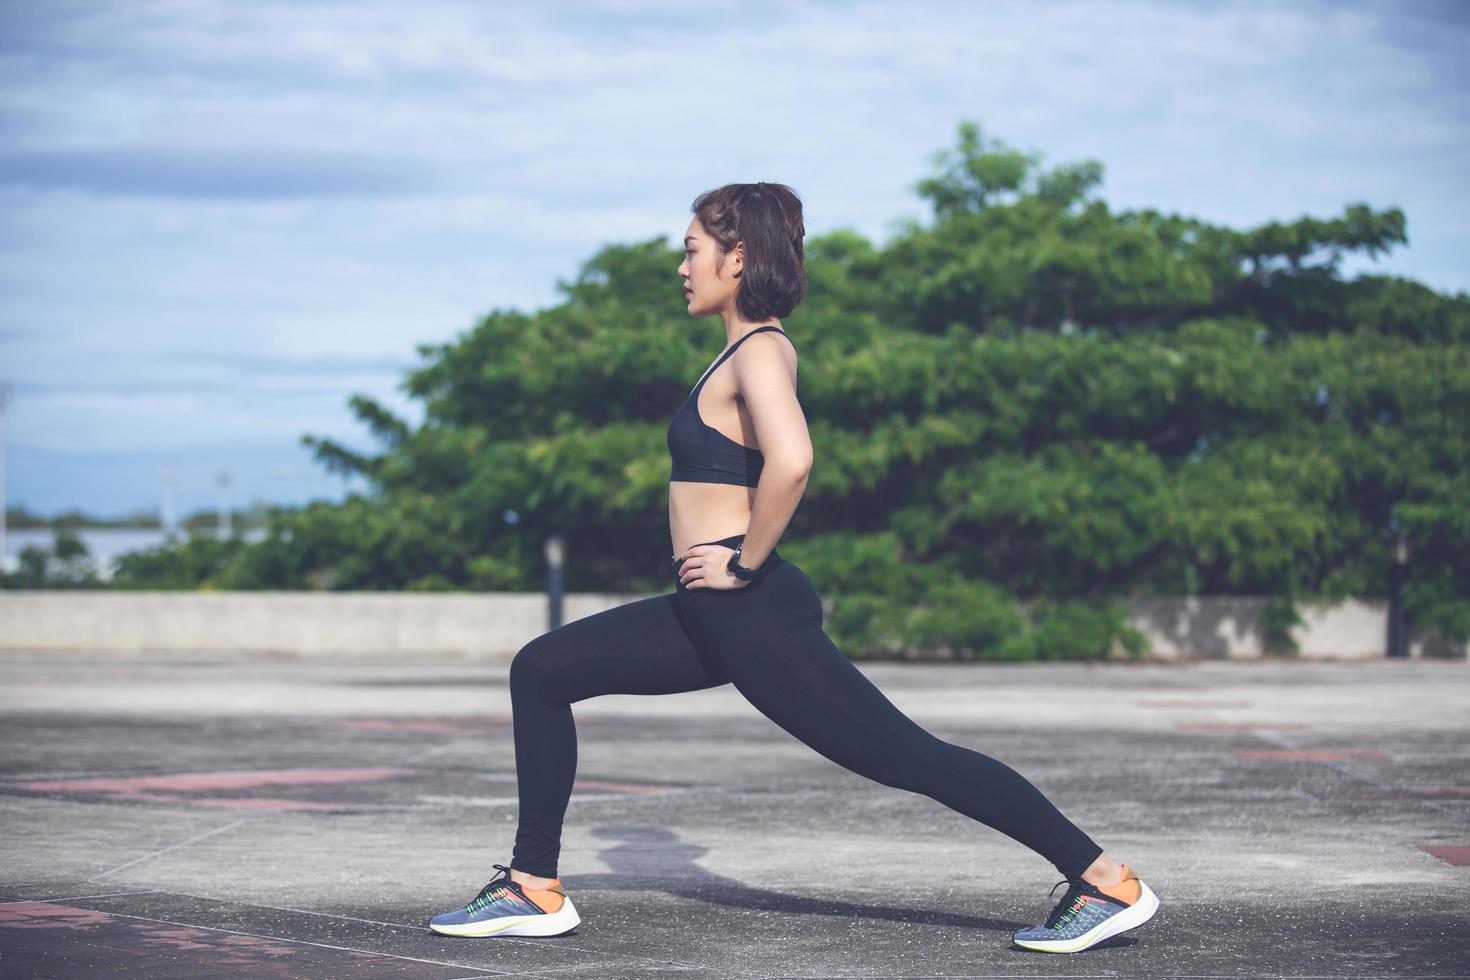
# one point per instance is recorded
(728, 541)
(698, 517)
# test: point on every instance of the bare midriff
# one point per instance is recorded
(700, 512)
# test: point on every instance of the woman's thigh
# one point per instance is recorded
(639, 647)
(773, 648)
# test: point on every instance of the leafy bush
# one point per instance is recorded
(1024, 412)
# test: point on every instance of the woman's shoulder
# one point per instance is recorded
(772, 337)
(765, 344)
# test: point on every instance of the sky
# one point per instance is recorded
(221, 220)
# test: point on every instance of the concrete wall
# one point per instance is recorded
(496, 625)
(1224, 627)
(472, 624)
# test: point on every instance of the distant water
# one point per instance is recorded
(103, 545)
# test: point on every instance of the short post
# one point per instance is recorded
(554, 554)
(1398, 638)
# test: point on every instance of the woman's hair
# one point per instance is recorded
(767, 218)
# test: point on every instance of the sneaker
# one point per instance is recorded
(1088, 914)
(508, 908)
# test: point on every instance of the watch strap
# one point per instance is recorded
(735, 568)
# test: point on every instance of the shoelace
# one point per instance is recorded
(1070, 904)
(491, 890)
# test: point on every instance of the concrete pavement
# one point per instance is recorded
(188, 817)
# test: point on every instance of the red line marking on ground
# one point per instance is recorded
(1237, 726)
(1196, 703)
(619, 787)
(188, 787)
(187, 781)
(237, 803)
(471, 724)
(40, 915)
(1456, 854)
(1311, 755)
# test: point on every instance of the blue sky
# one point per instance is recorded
(223, 219)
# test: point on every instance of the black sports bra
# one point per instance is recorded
(702, 454)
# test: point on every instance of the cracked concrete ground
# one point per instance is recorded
(177, 817)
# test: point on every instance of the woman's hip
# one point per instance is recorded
(782, 596)
(676, 564)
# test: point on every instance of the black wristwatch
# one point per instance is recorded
(740, 571)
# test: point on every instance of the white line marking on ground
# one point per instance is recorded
(171, 847)
(285, 908)
(533, 940)
(303, 942)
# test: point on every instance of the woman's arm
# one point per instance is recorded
(767, 383)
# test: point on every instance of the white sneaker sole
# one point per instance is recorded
(555, 923)
(1131, 918)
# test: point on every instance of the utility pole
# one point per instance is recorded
(167, 513)
(222, 523)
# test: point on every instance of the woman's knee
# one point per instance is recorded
(532, 669)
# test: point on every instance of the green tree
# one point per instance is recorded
(65, 565)
(1026, 411)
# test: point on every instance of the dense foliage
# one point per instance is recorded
(1024, 412)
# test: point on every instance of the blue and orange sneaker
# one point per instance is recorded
(1088, 914)
(508, 908)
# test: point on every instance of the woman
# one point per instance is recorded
(741, 614)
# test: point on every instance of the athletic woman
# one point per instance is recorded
(740, 614)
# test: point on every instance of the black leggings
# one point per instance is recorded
(766, 639)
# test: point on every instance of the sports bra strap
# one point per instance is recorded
(721, 359)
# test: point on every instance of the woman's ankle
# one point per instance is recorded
(1103, 871)
(529, 880)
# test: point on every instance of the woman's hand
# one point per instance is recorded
(706, 566)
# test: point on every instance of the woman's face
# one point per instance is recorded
(706, 291)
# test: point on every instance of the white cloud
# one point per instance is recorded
(278, 183)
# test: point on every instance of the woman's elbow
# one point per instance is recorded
(792, 467)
